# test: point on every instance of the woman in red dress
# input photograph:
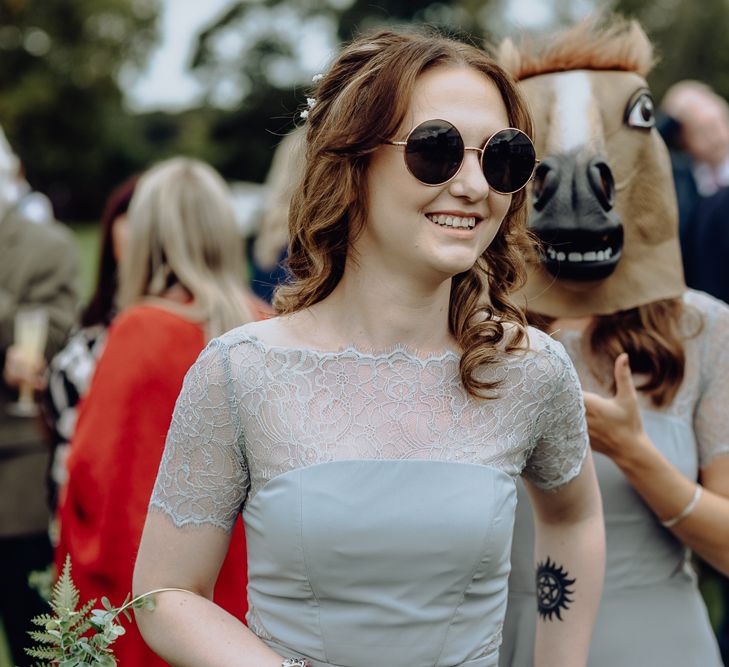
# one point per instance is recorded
(181, 283)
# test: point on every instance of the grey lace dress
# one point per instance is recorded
(651, 613)
(378, 496)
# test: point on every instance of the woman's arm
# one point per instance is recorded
(201, 487)
(189, 630)
(616, 430)
(570, 565)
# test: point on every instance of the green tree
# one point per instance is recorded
(255, 60)
(690, 39)
(61, 105)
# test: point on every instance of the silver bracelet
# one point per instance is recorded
(295, 662)
(669, 523)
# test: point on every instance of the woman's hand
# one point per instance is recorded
(616, 430)
(19, 371)
(614, 424)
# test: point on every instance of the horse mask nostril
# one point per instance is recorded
(602, 182)
(544, 184)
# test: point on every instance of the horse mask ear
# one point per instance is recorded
(603, 199)
(508, 56)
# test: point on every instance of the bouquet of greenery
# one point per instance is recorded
(73, 636)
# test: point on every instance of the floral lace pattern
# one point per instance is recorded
(494, 643)
(255, 624)
(703, 397)
(250, 411)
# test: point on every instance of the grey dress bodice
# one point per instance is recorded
(378, 496)
(651, 612)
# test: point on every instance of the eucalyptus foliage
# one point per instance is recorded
(73, 635)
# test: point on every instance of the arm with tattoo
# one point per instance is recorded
(570, 557)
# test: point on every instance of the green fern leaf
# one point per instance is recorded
(43, 653)
(43, 637)
(42, 620)
(81, 622)
(65, 593)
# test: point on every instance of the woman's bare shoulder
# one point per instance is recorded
(292, 330)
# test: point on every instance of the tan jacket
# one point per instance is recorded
(38, 266)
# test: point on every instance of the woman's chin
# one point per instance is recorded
(453, 263)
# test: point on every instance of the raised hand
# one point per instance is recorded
(614, 424)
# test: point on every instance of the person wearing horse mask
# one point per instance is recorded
(651, 355)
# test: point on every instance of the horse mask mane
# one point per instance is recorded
(603, 199)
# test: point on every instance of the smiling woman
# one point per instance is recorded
(372, 433)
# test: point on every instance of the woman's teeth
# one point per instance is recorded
(453, 221)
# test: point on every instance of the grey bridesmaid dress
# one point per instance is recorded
(378, 496)
(651, 613)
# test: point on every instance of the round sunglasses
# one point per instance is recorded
(434, 153)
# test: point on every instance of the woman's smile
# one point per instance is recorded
(451, 220)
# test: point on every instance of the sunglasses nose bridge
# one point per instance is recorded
(474, 171)
(475, 149)
(480, 150)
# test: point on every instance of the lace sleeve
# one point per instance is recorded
(562, 440)
(711, 416)
(203, 476)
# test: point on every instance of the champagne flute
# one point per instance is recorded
(31, 333)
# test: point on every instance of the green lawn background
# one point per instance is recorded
(87, 237)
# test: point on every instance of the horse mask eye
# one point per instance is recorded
(640, 111)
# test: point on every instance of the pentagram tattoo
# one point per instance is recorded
(553, 590)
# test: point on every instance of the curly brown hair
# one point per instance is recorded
(361, 103)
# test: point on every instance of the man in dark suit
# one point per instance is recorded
(705, 246)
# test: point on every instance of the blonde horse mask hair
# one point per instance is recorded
(603, 198)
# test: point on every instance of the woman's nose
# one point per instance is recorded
(470, 182)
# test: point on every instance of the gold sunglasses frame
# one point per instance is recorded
(463, 157)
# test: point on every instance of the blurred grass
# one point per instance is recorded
(711, 590)
(87, 237)
(4, 651)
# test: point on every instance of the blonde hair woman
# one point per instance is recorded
(182, 281)
(184, 250)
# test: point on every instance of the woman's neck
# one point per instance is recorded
(379, 312)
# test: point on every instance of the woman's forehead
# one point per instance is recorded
(461, 95)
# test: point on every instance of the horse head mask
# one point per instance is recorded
(603, 200)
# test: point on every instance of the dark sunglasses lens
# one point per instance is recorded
(508, 160)
(434, 152)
